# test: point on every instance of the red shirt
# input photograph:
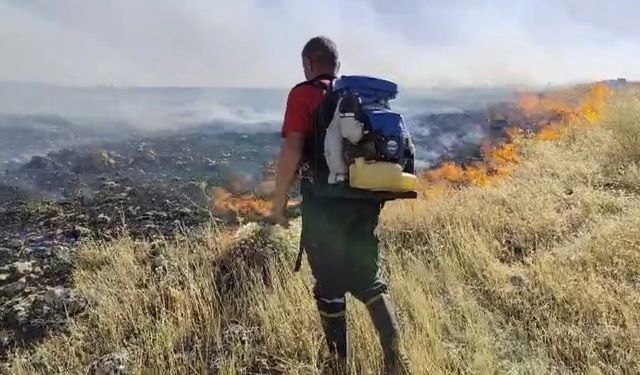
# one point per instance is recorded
(302, 101)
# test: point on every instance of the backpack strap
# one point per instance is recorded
(318, 82)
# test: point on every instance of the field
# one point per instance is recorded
(535, 271)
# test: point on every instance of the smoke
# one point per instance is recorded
(257, 43)
(144, 109)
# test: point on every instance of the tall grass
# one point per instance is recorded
(537, 274)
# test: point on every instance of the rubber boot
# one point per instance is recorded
(383, 317)
(335, 331)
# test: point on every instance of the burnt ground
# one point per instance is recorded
(62, 184)
(145, 186)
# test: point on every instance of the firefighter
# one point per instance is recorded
(338, 234)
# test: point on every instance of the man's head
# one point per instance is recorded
(319, 56)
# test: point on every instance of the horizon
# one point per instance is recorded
(442, 87)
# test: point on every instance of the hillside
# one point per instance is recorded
(527, 263)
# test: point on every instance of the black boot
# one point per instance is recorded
(335, 331)
(383, 317)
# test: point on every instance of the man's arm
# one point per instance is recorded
(286, 168)
(296, 126)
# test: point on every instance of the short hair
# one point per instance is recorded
(321, 50)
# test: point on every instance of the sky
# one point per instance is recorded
(257, 43)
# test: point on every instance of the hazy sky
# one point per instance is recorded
(258, 42)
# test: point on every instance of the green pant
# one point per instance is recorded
(339, 237)
(342, 249)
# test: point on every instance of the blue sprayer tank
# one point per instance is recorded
(373, 97)
(386, 151)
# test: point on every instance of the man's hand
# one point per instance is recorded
(279, 217)
(278, 213)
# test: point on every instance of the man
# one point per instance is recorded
(337, 233)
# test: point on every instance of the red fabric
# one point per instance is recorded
(298, 116)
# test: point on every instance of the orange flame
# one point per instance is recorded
(242, 198)
(246, 206)
(552, 114)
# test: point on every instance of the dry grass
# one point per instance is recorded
(538, 274)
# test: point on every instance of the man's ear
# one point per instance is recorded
(308, 64)
(337, 67)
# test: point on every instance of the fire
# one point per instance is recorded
(249, 200)
(244, 198)
(245, 206)
(496, 163)
(549, 132)
(550, 115)
(593, 107)
(538, 106)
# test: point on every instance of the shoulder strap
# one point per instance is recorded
(318, 82)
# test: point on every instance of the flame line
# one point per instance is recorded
(553, 114)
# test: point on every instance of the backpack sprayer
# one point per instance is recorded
(367, 145)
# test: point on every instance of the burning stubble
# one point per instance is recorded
(540, 116)
(547, 115)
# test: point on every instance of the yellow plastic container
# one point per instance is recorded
(380, 176)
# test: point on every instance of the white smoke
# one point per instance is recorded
(146, 108)
(257, 43)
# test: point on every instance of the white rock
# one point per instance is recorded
(22, 268)
(111, 364)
